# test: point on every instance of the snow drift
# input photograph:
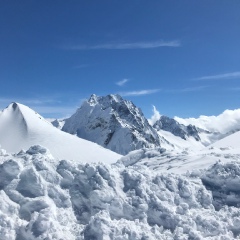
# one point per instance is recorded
(21, 127)
(42, 198)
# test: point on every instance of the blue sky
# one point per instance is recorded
(181, 56)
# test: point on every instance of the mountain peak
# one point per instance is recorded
(14, 105)
(113, 123)
(21, 127)
(93, 99)
(23, 111)
(104, 100)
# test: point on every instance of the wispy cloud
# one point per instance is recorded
(140, 93)
(234, 89)
(223, 76)
(57, 111)
(81, 66)
(185, 90)
(122, 82)
(156, 116)
(44, 106)
(131, 45)
(32, 101)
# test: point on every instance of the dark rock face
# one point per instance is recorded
(113, 123)
(171, 125)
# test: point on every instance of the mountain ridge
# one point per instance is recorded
(98, 118)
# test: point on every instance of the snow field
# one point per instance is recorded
(42, 198)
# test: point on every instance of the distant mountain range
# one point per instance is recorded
(109, 121)
(120, 126)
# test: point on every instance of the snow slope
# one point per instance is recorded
(232, 141)
(21, 127)
(42, 198)
(177, 143)
(179, 161)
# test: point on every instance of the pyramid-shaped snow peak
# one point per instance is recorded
(113, 123)
(21, 127)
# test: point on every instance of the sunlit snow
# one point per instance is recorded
(42, 198)
(21, 127)
(64, 187)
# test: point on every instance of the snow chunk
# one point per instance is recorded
(224, 182)
(37, 149)
(45, 199)
(31, 184)
(8, 171)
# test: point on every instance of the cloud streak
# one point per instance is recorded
(232, 75)
(186, 90)
(57, 111)
(122, 46)
(122, 82)
(30, 101)
(234, 89)
(81, 66)
(46, 106)
(139, 93)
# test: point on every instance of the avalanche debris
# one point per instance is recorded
(42, 198)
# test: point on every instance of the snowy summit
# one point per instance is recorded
(113, 123)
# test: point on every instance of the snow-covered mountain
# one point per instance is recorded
(58, 123)
(113, 123)
(171, 125)
(117, 124)
(21, 127)
(214, 128)
(226, 122)
(207, 130)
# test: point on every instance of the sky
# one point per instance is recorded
(183, 57)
